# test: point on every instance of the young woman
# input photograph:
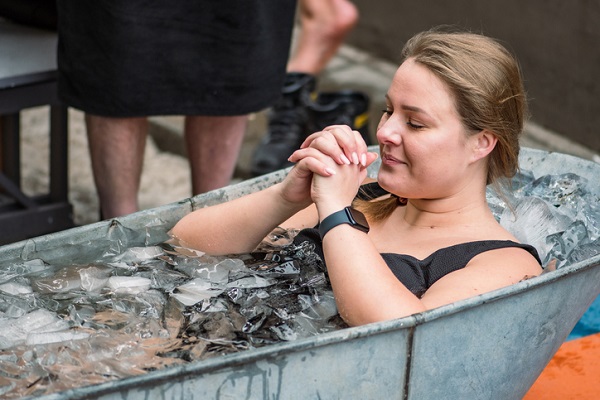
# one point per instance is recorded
(426, 236)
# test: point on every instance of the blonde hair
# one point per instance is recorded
(486, 84)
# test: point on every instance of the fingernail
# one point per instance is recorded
(355, 158)
(344, 159)
(330, 171)
(363, 159)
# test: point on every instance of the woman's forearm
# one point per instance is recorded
(365, 288)
(236, 226)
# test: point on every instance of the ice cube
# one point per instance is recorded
(532, 221)
(584, 252)
(94, 278)
(140, 254)
(589, 213)
(128, 284)
(55, 337)
(249, 282)
(196, 290)
(15, 288)
(64, 280)
(15, 331)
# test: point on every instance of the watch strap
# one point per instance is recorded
(344, 216)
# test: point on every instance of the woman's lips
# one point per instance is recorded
(390, 160)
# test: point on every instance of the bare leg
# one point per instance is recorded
(117, 153)
(324, 26)
(213, 145)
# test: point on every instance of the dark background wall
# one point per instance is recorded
(557, 43)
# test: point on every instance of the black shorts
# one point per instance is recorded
(133, 58)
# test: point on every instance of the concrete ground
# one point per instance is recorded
(166, 178)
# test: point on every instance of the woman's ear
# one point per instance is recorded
(483, 144)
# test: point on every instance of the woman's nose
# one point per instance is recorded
(388, 131)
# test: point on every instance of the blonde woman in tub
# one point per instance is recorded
(422, 235)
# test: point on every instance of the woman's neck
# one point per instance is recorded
(446, 213)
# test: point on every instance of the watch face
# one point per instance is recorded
(358, 218)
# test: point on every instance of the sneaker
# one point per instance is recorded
(287, 125)
(346, 107)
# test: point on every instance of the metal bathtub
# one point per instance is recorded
(492, 346)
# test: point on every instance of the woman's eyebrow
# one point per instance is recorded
(415, 110)
(409, 108)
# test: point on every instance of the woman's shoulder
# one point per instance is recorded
(488, 270)
(508, 255)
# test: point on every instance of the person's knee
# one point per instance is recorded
(346, 16)
(343, 19)
(331, 21)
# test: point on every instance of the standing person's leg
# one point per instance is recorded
(117, 152)
(213, 145)
(324, 25)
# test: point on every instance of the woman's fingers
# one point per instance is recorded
(370, 158)
(361, 148)
(327, 144)
(313, 160)
(322, 163)
(341, 143)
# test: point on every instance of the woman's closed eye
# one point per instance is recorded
(388, 112)
(413, 125)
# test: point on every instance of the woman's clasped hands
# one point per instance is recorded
(330, 166)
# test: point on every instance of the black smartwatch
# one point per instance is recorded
(348, 215)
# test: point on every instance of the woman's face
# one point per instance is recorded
(423, 144)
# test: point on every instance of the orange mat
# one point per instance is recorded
(573, 372)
